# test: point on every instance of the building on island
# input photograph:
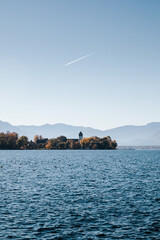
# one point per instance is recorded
(61, 138)
(80, 136)
(77, 139)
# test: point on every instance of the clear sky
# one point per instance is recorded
(118, 84)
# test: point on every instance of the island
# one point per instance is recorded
(12, 141)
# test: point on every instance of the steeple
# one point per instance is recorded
(80, 136)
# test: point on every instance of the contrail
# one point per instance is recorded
(88, 55)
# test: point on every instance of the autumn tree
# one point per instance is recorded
(52, 144)
(98, 143)
(49, 145)
(22, 142)
(61, 145)
(74, 145)
(11, 140)
(37, 137)
(8, 140)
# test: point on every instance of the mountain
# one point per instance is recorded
(137, 135)
(5, 126)
(126, 135)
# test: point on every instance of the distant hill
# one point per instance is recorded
(137, 135)
(5, 126)
(126, 135)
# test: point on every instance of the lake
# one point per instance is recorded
(79, 194)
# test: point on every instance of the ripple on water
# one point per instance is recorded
(80, 195)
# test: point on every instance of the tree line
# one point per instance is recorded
(13, 141)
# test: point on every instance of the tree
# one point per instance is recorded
(11, 140)
(8, 140)
(51, 144)
(74, 145)
(31, 145)
(37, 137)
(114, 144)
(61, 139)
(3, 141)
(61, 145)
(22, 142)
(95, 146)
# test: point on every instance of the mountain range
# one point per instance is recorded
(128, 135)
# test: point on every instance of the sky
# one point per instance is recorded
(115, 80)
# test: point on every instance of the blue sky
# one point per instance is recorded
(119, 84)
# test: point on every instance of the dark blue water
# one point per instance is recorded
(79, 195)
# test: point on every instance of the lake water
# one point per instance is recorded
(79, 195)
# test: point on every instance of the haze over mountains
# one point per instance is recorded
(126, 135)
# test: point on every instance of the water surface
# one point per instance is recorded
(79, 194)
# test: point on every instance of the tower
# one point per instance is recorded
(80, 136)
